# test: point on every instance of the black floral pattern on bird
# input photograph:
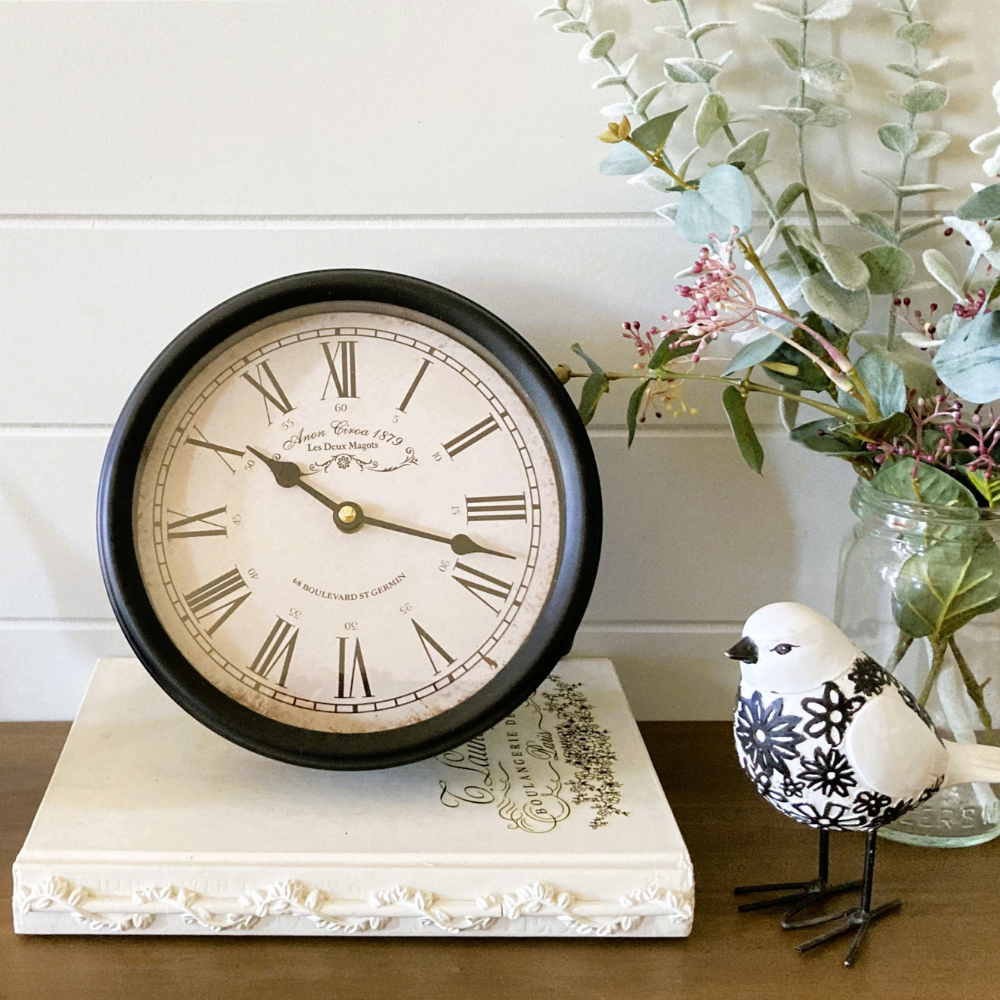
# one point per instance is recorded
(868, 677)
(831, 713)
(767, 735)
(829, 771)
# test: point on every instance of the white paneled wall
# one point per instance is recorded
(159, 157)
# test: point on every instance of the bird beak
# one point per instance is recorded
(745, 650)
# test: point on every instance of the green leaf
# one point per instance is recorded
(989, 489)
(739, 421)
(909, 190)
(753, 353)
(643, 101)
(917, 373)
(792, 370)
(883, 430)
(594, 387)
(750, 152)
(847, 269)
(623, 160)
(898, 138)
(829, 436)
(786, 278)
(591, 363)
(924, 97)
(941, 270)
(877, 226)
(830, 75)
(789, 196)
(846, 310)
(689, 70)
(827, 115)
(944, 587)
(832, 10)
(652, 135)
(915, 33)
(598, 48)
(700, 30)
(930, 143)
(968, 362)
(786, 52)
(913, 74)
(889, 269)
(572, 26)
(929, 485)
(982, 205)
(908, 232)
(665, 353)
(797, 116)
(788, 13)
(884, 380)
(632, 412)
(712, 115)
(721, 202)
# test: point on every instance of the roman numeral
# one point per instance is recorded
(197, 525)
(278, 648)
(275, 395)
(345, 683)
(221, 596)
(413, 385)
(220, 449)
(512, 507)
(429, 643)
(468, 438)
(343, 370)
(476, 587)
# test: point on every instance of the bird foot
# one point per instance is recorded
(805, 895)
(858, 920)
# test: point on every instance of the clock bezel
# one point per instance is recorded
(550, 637)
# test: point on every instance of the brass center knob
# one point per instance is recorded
(347, 513)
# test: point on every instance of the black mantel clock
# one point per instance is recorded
(349, 519)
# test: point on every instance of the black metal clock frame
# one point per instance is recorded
(549, 639)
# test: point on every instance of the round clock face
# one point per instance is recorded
(348, 521)
(348, 533)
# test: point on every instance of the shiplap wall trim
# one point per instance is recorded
(160, 157)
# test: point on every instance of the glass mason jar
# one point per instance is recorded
(918, 589)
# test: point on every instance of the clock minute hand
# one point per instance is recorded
(461, 545)
(288, 474)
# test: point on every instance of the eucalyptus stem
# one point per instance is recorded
(972, 686)
(668, 375)
(751, 175)
(940, 648)
(800, 143)
(903, 644)
(904, 163)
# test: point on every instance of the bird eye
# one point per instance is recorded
(782, 648)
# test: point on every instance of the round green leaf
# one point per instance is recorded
(889, 269)
(982, 205)
(927, 485)
(968, 362)
(846, 310)
(721, 202)
(924, 97)
(898, 138)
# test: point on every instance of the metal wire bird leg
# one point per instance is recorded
(805, 896)
(858, 919)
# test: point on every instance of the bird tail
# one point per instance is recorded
(972, 762)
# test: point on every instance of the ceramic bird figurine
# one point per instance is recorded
(834, 741)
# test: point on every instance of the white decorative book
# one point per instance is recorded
(551, 823)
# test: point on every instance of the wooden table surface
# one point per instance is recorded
(945, 943)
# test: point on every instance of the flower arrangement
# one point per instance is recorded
(908, 404)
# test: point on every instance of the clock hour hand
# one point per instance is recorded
(288, 474)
